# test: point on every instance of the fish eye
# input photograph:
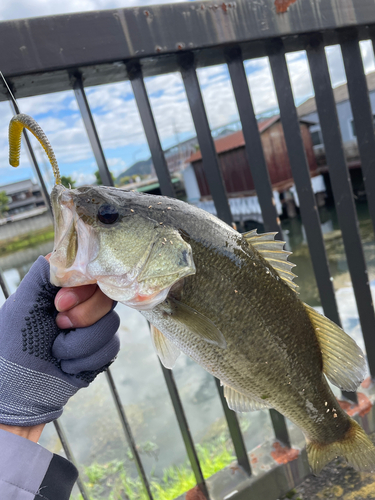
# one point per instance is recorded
(107, 214)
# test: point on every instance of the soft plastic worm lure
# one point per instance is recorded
(16, 126)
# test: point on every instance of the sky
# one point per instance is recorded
(115, 112)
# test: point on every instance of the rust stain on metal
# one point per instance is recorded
(195, 494)
(283, 5)
(146, 13)
(253, 459)
(362, 408)
(234, 468)
(283, 454)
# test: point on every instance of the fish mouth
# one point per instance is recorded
(75, 245)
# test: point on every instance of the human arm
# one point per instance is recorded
(53, 362)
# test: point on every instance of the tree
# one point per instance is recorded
(4, 200)
(67, 181)
(99, 179)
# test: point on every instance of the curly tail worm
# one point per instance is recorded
(16, 126)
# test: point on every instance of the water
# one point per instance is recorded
(90, 418)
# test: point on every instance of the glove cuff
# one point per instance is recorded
(28, 397)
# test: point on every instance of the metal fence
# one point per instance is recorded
(76, 51)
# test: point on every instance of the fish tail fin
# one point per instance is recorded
(355, 447)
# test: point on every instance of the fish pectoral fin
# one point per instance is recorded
(343, 361)
(273, 251)
(195, 322)
(240, 403)
(165, 349)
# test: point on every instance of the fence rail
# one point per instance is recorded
(73, 52)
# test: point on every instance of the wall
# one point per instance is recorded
(345, 116)
(16, 228)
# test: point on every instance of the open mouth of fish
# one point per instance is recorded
(86, 251)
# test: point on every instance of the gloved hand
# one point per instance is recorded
(41, 366)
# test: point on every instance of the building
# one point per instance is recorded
(24, 196)
(237, 176)
(308, 111)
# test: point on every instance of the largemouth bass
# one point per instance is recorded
(226, 300)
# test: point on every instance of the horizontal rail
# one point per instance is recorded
(57, 46)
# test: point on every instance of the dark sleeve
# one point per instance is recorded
(59, 480)
(30, 472)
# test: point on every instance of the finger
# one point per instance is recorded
(87, 313)
(48, 256)
(84, 342)
(72, 296)
(94, 362)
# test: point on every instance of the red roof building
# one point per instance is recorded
(235, 167)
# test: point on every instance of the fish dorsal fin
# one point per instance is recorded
(240, 403)
(343, 361)
(273, 251)
(165, 349)
(194, 321)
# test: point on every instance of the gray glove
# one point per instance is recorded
(41, 366)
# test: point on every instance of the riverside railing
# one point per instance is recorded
(75, 51)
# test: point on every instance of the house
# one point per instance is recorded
(23, 196)
(308, 111)
(237, 176)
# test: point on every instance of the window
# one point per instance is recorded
(316, 138)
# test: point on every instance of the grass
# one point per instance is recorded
(27, 240)
(112, 481)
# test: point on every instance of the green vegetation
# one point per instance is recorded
(126, 179)
(113, 482)
(3, 203)
(68, 182)
(99, 181)
(27, 240)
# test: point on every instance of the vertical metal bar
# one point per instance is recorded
(362, 115)
(33, 160)
(301, 176)
(128, 434)
(149, 127)
(235, 432)
(206, 143)
(219, 196)
(3, 285)
(253, 143)
(185, 431)
(259, 172)
(107, 180)
(342, 192)
(167, 189)
(92, 133)
(69, 455)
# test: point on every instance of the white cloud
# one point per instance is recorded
(261, 85)
(299, 74)
(43, 104)
(83, 178)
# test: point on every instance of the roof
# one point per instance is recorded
(340, 94)
(16, 187)
(236, 140)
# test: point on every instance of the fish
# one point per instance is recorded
(227, 300)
